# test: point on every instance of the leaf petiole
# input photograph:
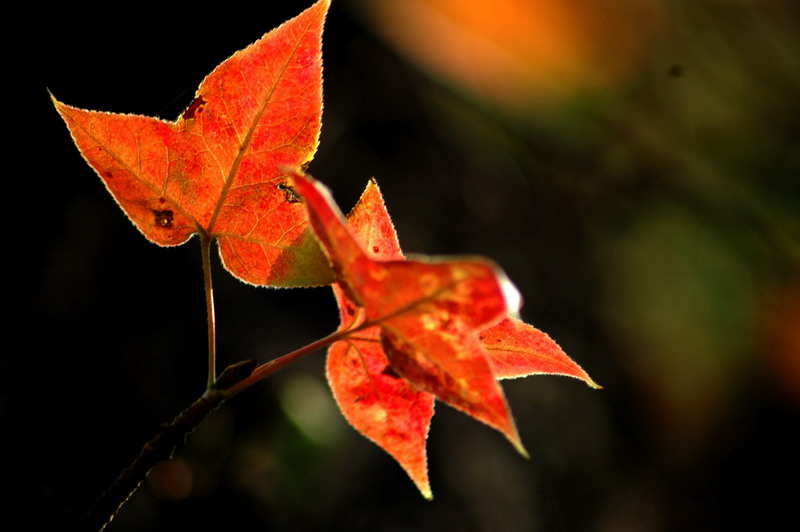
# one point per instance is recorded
(212, 325)
(268, 368)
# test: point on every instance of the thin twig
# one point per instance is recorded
(156, 450)
(268, 368)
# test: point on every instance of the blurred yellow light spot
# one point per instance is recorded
(429, 323)
(380, 415)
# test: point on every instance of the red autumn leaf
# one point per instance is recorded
(429, 314)
(383, 407)
(215, 171)
(517, 349)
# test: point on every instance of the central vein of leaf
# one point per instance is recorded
(249, 137)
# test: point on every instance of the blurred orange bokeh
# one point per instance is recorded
(783, 348)
(519, 53)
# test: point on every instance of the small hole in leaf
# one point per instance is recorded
(163, 218)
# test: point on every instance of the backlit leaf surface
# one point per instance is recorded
(385, 408)
(215, 170)
(429, 314)
(517, 349)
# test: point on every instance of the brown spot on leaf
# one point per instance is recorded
(291, 195)
(194, 108)
(163, 218)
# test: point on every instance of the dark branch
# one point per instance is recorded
(162, 448)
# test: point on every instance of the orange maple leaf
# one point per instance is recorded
(434, 329)
(215, 171)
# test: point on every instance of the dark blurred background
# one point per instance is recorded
(633, 165)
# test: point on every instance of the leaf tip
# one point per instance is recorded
(512, 436)
(521, 449)
(593, 384)
(53, 99)
(427, 493)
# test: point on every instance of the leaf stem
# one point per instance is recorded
(268, 368)
(212, 324)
